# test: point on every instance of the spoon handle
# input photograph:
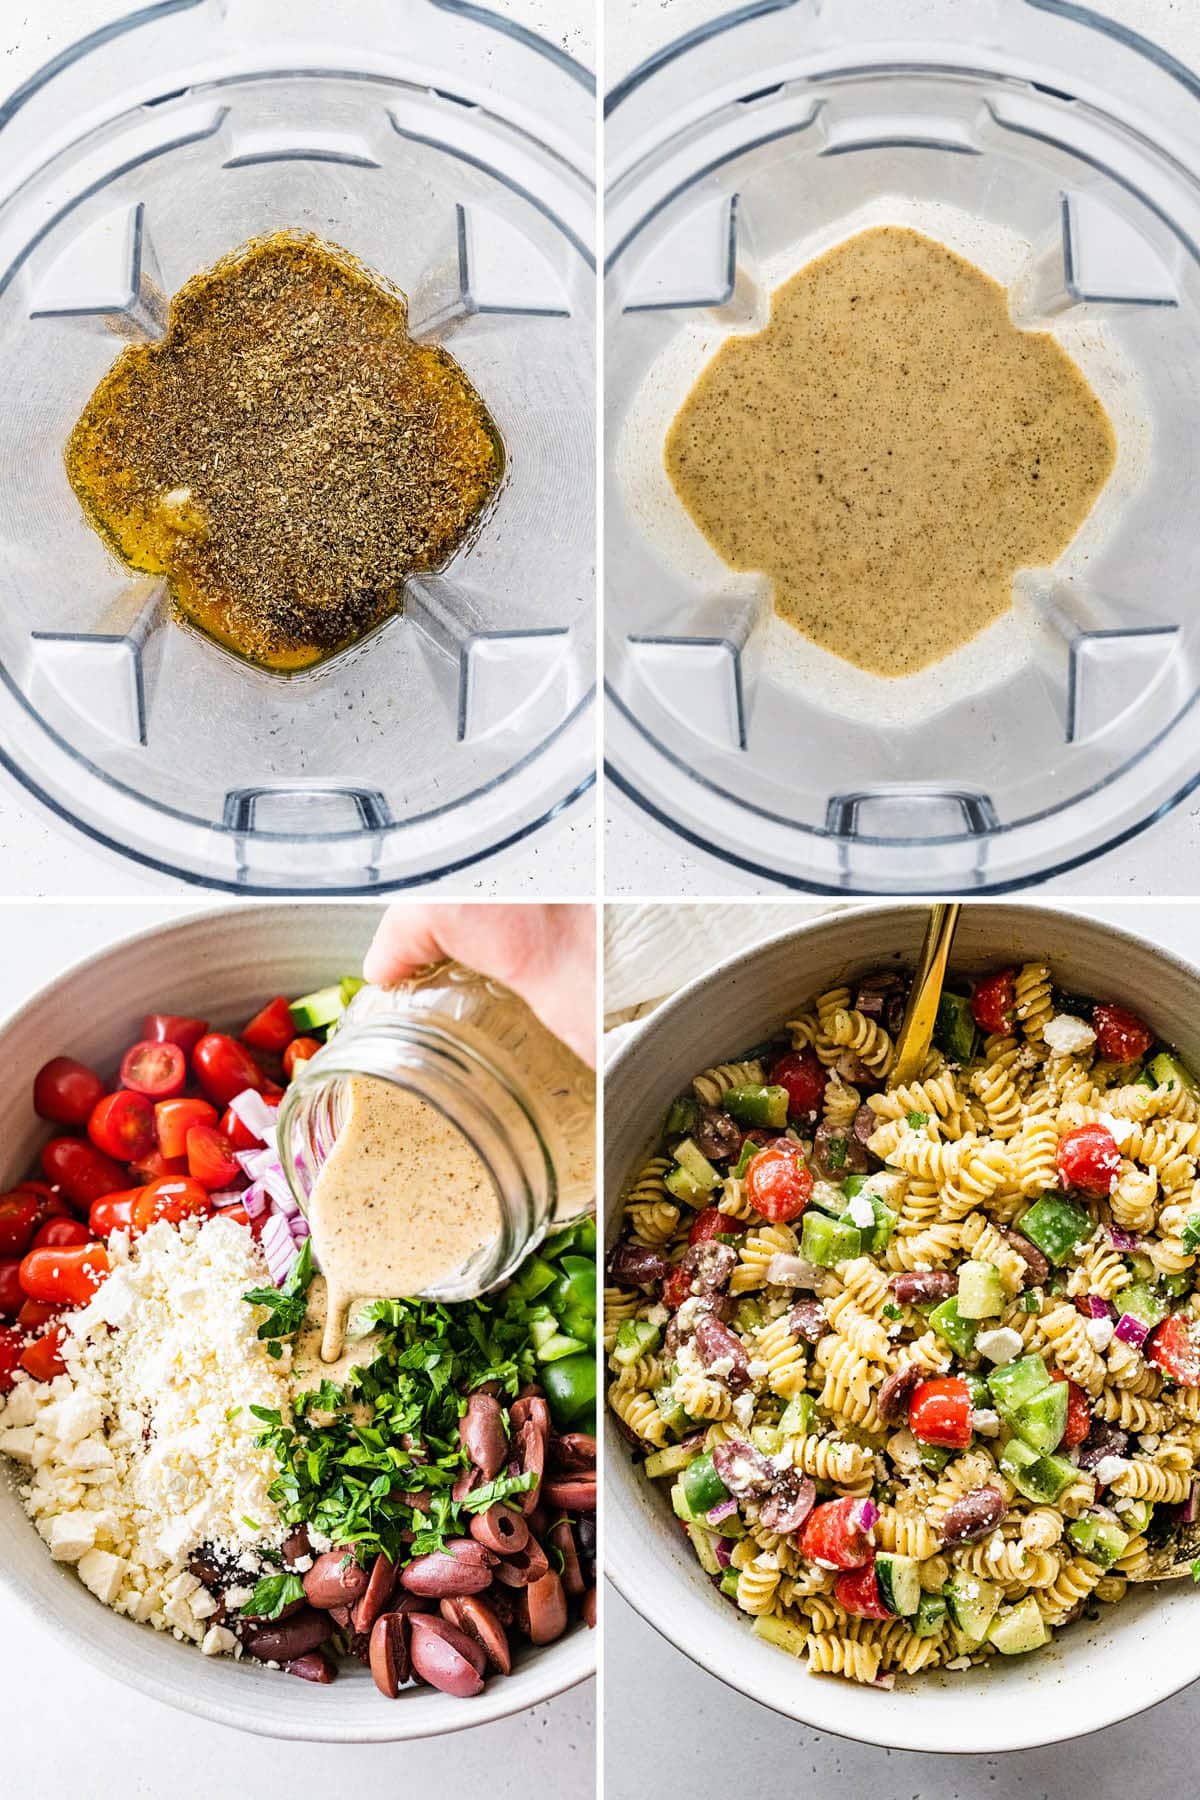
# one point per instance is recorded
(920, 1015)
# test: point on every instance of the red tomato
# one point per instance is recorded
(43, 1359)
(225, 1068)
(1121, 1035)
(80, 1170)
(51, 1204)
(122, 1125)
(1173, 1349)
(239, 1135)
(994, 1001)
(174, 1199)
(298, 1051)
(210, 1157)
(173, 1119)
(676, 1288)
(36, 1313)
(709, 1223)
(113, 1213)
(12, 1294)
(68, 1276)
(238, 1214)
(18, 1222)
(1079, 1413)
(778, 1182)
(272, 1028)
(1089, 1160)
(58, 1234)
(801, 1074)
(157, 1070)
(939, 1412)
(66, 1091)
(173, 1028)
(834, 1533)
(157, 1167)
(12, 1345)
(271, 1093)
(857, 1592)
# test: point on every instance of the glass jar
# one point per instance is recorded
(471, 1049)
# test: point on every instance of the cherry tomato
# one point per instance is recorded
(173, 1028)
(778, 1182)
(80, 1170)
(157, 1167)
(939, 1412)
(62, 1233)
(122, 1125)
(225, 1068)
(51, 1204)
(272, 1028)
(18, 1222)
(43, 1358)
(36, 1313)
(1089, 1160)
(12, 1294)
(857, 1592)
(1079, 1413)
(113, 1213)
(1121, 1036)
(210, 1157)
(993, 1004)
(676, 1288)
(238, 1214)
(801, 1074)
(12, 1345)
(69, 1276)
(834, 1533)
(156, 1070)
(173, 1119)
(174, 1199)
(239, 1135)
(271, 1092)
(1173, 1349)
(298, 1051)
(66, 1091)
(709, 1223)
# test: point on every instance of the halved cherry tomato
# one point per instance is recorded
(36, 1313)
(710, 1222)
(18, 1222)
(156, 1070)
(157, 1167)
(857, 1592)
(676, 1288)
(1121, 1036)
(173, 1028)
(1173, 1349)
(51, 1204)
(66, 1091)
(174, 1199)
(778, 1182)
(802, 1075)
(12, 1294)
(80, 1170)
(239, 1135)
(122, 1125)
(238, 1214)
(271, 1092)
(57, 1234)
(173, 1119)
(224, 1068)
(993, 1004)
(834, 1534)
(43, 1358)
(1089, 1160)
(210, 1156)
(113, 1213)
(69, 1276)
(1079, 1413)
(939, 1412)
(298, 1051)
(12, 1345)
(272, 1028)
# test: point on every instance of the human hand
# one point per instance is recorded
(546, 954)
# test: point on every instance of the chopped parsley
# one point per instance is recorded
(891, 1311)
(835, 1152)
(286, 1305)
(1190, 1235)
(1196, 1569)
(918, 1120)
(272, 1594)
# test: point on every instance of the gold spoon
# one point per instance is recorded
(920, 1015)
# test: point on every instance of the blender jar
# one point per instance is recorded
(451, 151)
(1059, 152)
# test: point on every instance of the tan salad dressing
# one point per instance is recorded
(401, 1201)
(890, 449)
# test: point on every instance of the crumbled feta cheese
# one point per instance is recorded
(23, 1405)
(217, 1641)
(1108, 1468)
(236, 1597)
(656, 1314)
(1068, 1035)
(103, 1572)
(203, 1605)
(758, 1369)
(1100, 1333)
(721, 1366)
(69, 1534)
(861, 1212)
(743, 1410)
(985, 1421)
(301, 1566)
(1000, 1345)
(904, 1450)
(17, 1441)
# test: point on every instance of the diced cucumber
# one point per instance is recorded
(558, 1346)
(689, 1156)
(635, 1338)
(681, 1116)
(1136, 1514)
(767, 1438)
(875, 1237)
(826, 1241)
(934, 1457)
(667, 1462)
(1056, 1227)
(314, 1011)
(749, 1151)
(828, 1197)
(972, 1604)
(351, 985)
(1016, 1629)
(702, 1544)
(1144, 1302)
(1041, 1420)
(954, 1027)
(702, 1486)
(780, 1632)
(854, 1184)
(1101, 1540)
(799, 1416)
(977, 1387)
(1013, 1383)
(980, 1291)
(673, 1415)
(729, 1583)
(747, 1314)
(956, 1331)
(1179, 1284)
(758, 1105)
(1039, 1478)
(899, 1580)
(930, 1616)
(1167, 1071)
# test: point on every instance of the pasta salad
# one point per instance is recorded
(921, 1365)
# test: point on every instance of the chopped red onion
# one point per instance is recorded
(258, 1118)
(279, 1248)
(721, 1510)
(865, 1515)
(1098, 1307)
(1190, 1509)
(299, 1227)
(255, 1200)
(1132, 1331)
(721, 1551)
(887, 1681)
(227, 1197)
(1124, 1241)
(276, 1184)
(790, 1271)
(255, 1161)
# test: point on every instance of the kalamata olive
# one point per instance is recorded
(585, 1531)
(205, 1570)
(562, 1539)
(444, 1662)
(482, 1434)
(296, 1544)
(466, 1483)
(866, 1124)
(389, 1652)
(547, 1608)
(977, 1513)
(709, 1265)
(376, 1595)
(854, 1070)
(716, 1344)
(314, 1665)
(477, 1620)
(922, 1285)
(1037, 1268)
(284, 1642)
(530, 1409)
(717, 1135)
(572, 1451)
(500, 1529)
(463, 1567)
(837, 1153)
(874, 992)
(342, 1616)
(335, 1579)
(588, 1610)
(635, 1265)
(463, 1641)
(789, 1503)
(895, 1391)
(807, 1320)
(571, 1493)
(744, 1470)
(501, 1602)
(1102, 1441)
(527, 1565)
(531, 1447)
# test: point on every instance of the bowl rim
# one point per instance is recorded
(820, 1714)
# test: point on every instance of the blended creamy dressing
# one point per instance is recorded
(890, 449)
(401, 1201)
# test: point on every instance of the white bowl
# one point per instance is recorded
(1092, 1675)
(219, 966)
